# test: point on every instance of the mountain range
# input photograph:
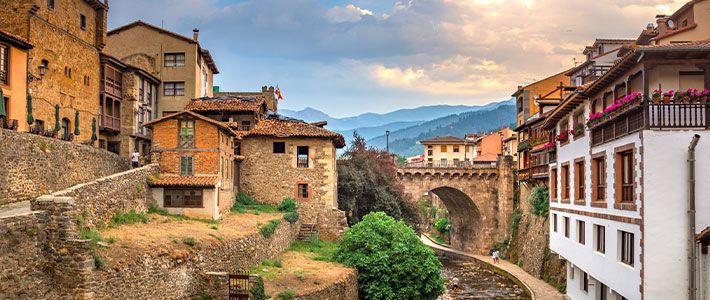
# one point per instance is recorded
(407, 126)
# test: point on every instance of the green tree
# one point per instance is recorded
(391, 260)
(367, 182)
(539, 201)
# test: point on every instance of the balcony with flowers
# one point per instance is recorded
(664, 110)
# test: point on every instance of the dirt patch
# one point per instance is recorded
(301, 274)
(165, 235)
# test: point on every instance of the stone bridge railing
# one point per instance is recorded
(479, 172)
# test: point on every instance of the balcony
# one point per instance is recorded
(243, 127)
(534, 172)
(447, 165)
(302, 162)
(534, 142)
(650, 115)
(110, 123)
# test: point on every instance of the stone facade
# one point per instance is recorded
(101, 198)
(70, 51)
(31, 165)
(270, 177)
(479, 200)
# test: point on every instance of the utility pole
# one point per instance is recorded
(387, 133)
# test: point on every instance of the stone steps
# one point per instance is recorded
(307, 231)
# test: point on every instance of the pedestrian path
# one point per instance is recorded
(540, 290)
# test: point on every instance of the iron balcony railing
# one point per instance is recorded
(302, 162)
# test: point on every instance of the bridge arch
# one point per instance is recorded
(464, 216)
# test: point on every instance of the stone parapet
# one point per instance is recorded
(343, 289)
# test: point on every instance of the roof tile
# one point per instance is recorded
(184, 181)
(292, 128)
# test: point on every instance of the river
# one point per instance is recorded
(477, 282)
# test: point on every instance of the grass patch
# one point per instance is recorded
(437, 238)
(219, 238)
(246, 204)
(190, 241)
(131, 217)
(286, 295)
(323, 250)
(288, 205)
(269, 228)
(300, 275)
(213, 227)
(267, 269)
(91, 234)
(99, 262)
(176, 217)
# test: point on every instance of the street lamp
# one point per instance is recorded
(387, 133)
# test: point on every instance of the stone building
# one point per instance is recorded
(128, 100)
(196, 156)
(13, 80)
(184, 67)
(447, 150)
(67, 37)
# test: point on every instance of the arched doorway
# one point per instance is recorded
(464, 217)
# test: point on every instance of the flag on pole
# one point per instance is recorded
(277, 92)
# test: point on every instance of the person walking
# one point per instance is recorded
(496, 256)
(135, 159)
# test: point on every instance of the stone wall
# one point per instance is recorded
(529, 248)
(189, 275)
(98, 200)
(31, 166)
(343, 289)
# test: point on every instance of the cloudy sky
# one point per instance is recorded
(347, 57)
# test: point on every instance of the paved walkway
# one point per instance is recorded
(540, 290)
(13, 209)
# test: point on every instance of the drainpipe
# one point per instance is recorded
(692, 251)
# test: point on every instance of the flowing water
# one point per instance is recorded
(477, 282)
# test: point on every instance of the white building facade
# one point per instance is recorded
(619, 189)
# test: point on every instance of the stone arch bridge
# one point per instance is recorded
(479, 200)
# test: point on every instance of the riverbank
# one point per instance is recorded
(538, 289)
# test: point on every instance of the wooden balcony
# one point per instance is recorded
(650, 116)
(110, 123)
(534, 172)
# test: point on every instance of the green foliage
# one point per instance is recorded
(300, 275)
(368, 182)
(99, 261)
(433, 212)
(139, 187)
(267, 269)
(539, 201)
(291, 217)
(515, 221)
(92, 235)
(502, 247)
(162, 212)
(190, 241)
(268, 229)
(286, 295)
(120, 218)
(213, 227)
(560, 286)
(401, 160)
(392, 261)
(205, 296)
(442, 225)
(437, 238)
(324, 251)
(245, 199)
(219, 238)
(288, 205)
(424, 206)
(257, 290)
(31, 232)
(244, 203)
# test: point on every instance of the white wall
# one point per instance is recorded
(665, 208)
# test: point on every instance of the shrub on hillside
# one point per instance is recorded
(291, 217)
(288, 205)
(391, 260)
(539, 201)
(268, 229)
(367, 182)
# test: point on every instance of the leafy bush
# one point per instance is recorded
(291, 217)
(268, 229)
(244, 199)
(92, 235)
(286, 295)
(288, 205)
(442, 225)
(121, 218)
(368, 182)
(539, 201)
(244, 203)
(392, 261)
(99, 262)
(257, 289)
(300, 275)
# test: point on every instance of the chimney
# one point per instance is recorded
(662, 22)
(195, 34)
(271, 89)
(264, 89)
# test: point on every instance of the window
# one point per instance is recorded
(430, 152)
(182, 198)
(564, 130)
(174, 59)
(603, 291)
(430, 147)
(625, 176)
(65, 128)
(238, 148)
(50, 4)
(578, 125)
(82, 22)
(627, 247)
(302, 156)
(279, 147)
(4, 63)
(554, 222)
(553, 183)
(599, 238)
(141, 90)
(443, 149)
(579, 180)
(566, 226)
(186, 166)
(174, 89)
(584, 283)
(599, 178)
(580, 232)
(565, 182)
(186, 138)
(456, 149)
(443, 162)
(303, 190)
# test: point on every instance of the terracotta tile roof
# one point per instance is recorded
(226, 103)
(443, 139)
(689, 45)
(184, 181)
(15, 39)
(486, 157)
(292, 128)
(196, 115)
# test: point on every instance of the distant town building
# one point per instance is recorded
(67, 37)
(621, 188)
(13, 80)
(447, 151)
(185, 68)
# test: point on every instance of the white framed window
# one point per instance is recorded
(600, 238)
(174, 89)
(626, 247)
(174, 59)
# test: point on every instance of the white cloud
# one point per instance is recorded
(348, 13)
